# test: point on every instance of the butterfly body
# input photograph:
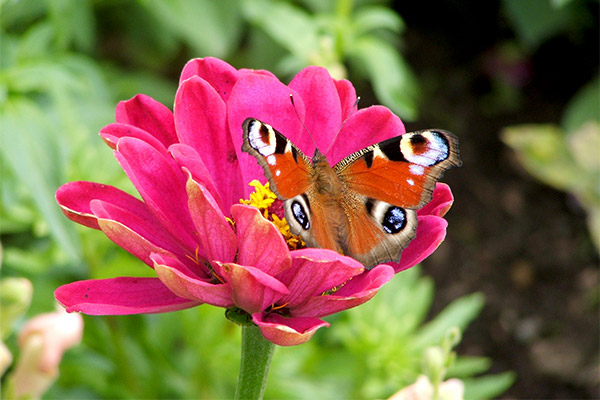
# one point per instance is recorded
(364, 206)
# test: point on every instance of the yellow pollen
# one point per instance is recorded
(262, 197)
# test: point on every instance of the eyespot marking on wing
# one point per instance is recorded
(426, 148)
(261, 138)
(394, 220)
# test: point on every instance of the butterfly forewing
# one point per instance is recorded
(403, 170)
(285, 166)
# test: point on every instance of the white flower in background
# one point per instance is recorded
(423, 389)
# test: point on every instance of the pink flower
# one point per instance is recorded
(189, 169)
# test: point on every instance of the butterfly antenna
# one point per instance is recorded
(355, 105)
(302, 122)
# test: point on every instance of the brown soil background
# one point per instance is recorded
(521, 243)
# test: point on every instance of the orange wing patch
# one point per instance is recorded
(389, 181)
(402, 170)
(285, 166)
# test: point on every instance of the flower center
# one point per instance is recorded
(272, 209)
(281, 309)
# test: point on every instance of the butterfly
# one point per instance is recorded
(365, 205)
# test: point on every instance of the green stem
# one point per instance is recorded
(254, 366)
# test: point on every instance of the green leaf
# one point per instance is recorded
(584, 145)
(35, 43)
(459, 313)
(488, 386)
(465, 367)
(125, 84)
(393, 82)
(543, 151)
(15, 298)
(73, 23)
(536, 21)
(17, 14)
(212, 28)
(29, 148)
(286, 24)
(583, 107)
(371, 18)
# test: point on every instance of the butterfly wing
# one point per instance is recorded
(386, 183)
(292, 176)
(401, 170)
(285, 166)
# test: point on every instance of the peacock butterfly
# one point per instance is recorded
(365, 205)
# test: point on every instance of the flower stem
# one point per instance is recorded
(254, 366)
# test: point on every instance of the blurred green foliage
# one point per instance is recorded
(567, 157)
(536, 21)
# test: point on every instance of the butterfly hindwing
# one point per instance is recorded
(377, 231)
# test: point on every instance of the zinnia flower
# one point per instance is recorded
(191, 174)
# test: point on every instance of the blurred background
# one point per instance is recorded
(516, 80)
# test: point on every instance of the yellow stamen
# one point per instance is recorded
(196, 258)
(335, 289)
(216, 276)
(274, 307)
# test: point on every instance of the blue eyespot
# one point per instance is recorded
(394, 220)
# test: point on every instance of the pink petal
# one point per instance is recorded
(213, 232)
(136, 231)
(315, 271)
(74, 198)
(431, 231)
(200, 117)
(161, 183)
(440, 203)
(323, 115)
(188, 158)
(287, 331)
(267, 99)
(347, 95)
(113, 132)
(252, 289)
(365, 127)
(120, 296)
(245, 71)
(260, 242)
(148, 114)
(219, 74)
(356, 291)
(181, 281)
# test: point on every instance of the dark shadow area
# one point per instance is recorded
(523, 244)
